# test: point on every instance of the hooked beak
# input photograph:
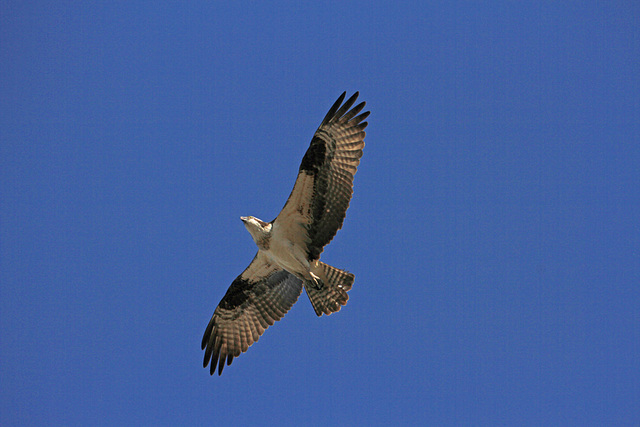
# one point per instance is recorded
(244, 218)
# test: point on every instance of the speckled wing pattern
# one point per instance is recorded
(323, 189)
(264, 293)
(257, 298)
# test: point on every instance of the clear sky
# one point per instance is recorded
(494, 231)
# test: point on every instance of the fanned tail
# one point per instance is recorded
(332, 295)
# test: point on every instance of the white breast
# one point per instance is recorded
(288, 248)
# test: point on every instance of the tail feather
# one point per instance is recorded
(332, 295)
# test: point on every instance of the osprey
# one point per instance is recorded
(289, 247)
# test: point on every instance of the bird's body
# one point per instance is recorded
(289, 247)
(282, 247)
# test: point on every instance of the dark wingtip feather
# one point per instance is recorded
(207, 334)
(361, 117)
(348, 117)
(207, 357)
(345, 107)
(221, 365)
(334, 108)
(212, 367)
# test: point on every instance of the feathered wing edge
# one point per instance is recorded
(343, 138)
(256, 299)
(324, 186)
(263, 293)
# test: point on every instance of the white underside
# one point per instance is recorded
(288, 242)
(289, 250)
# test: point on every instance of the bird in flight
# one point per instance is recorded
(289, 247)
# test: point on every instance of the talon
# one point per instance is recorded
(317, 282)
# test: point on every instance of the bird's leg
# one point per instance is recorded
(316, 281)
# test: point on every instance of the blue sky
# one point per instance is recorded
(494, 231)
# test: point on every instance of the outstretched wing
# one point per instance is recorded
(324, 186)
(258, 297)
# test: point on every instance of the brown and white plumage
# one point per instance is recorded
(289, 247)
(262, 294)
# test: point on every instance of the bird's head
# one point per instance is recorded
(259, 230)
